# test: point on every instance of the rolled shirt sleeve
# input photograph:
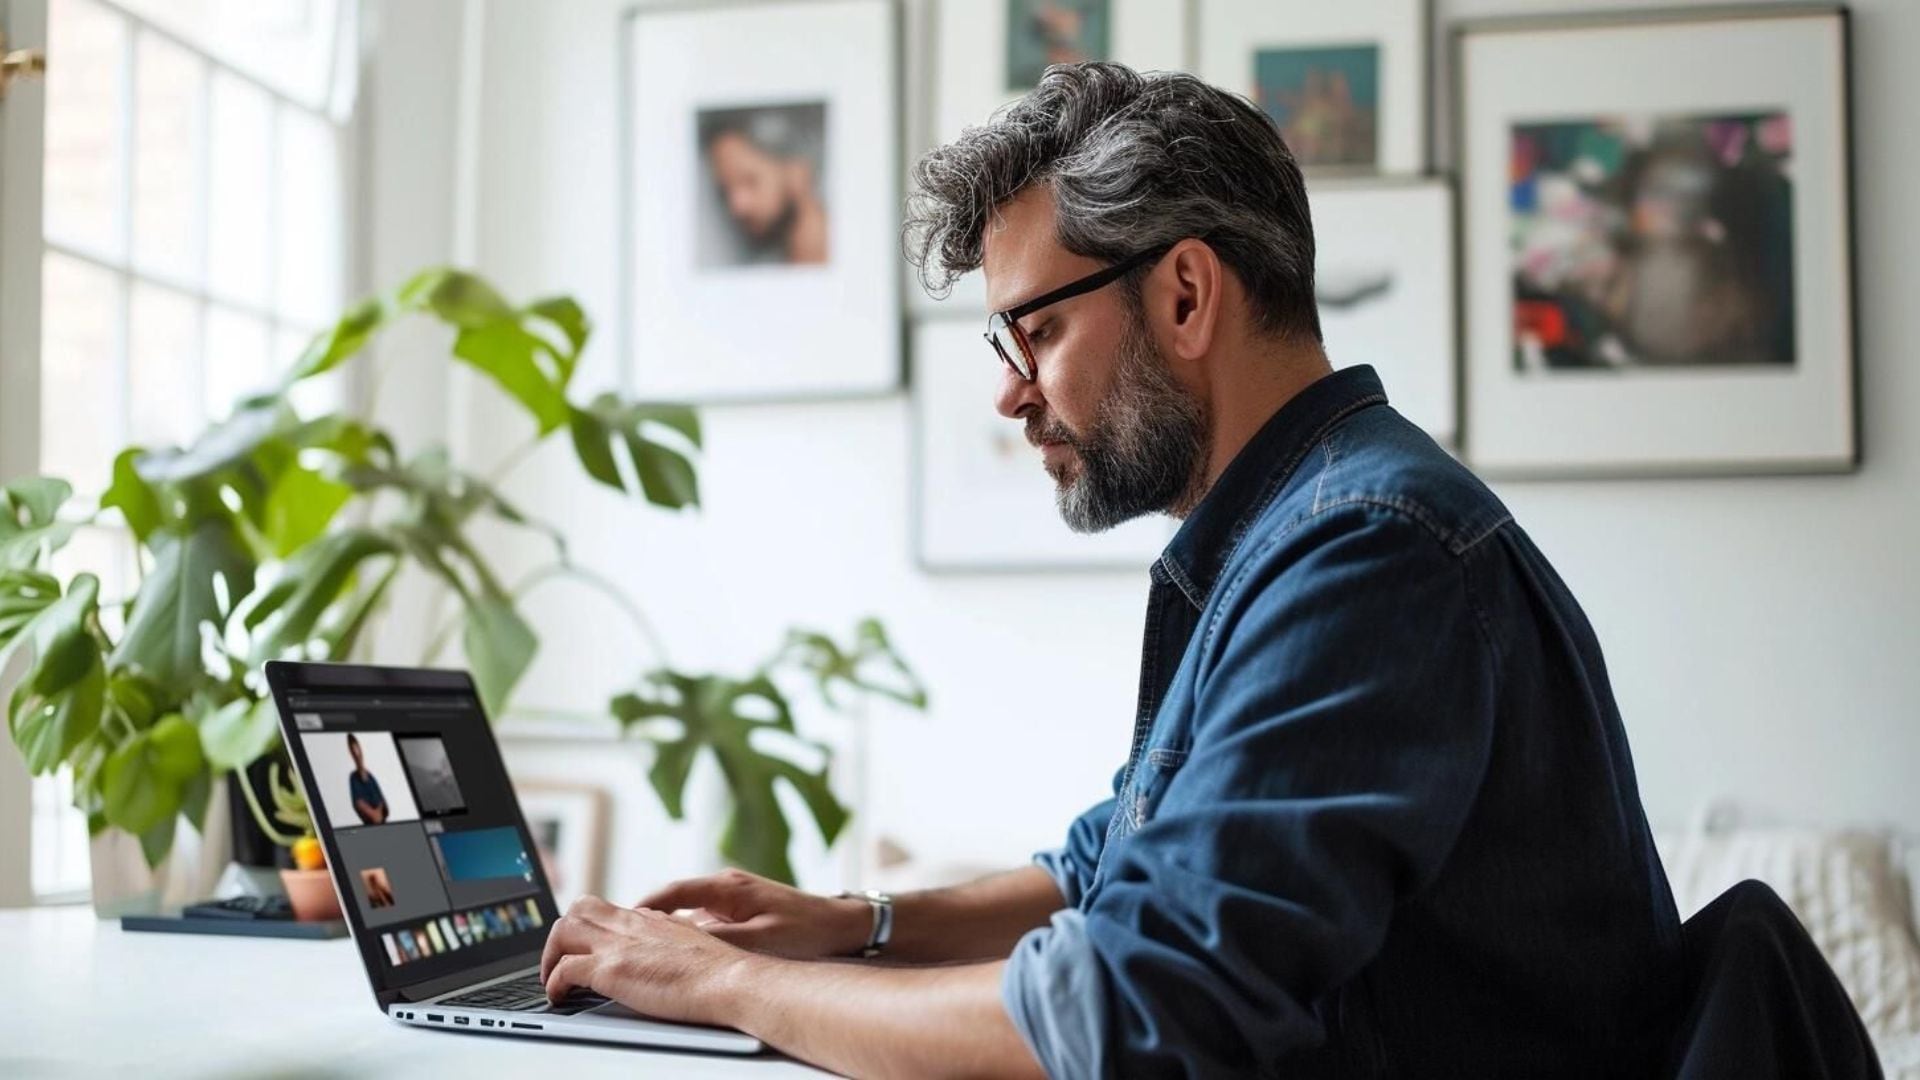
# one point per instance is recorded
(1071, 866)
(1343, 716)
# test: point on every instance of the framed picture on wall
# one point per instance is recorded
(982, 499)
(569, 826)
(1346, 82)
(761, 200)
(987, 53)
(1657, 271)
(1383, 276)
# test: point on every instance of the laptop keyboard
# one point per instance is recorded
(525, 994)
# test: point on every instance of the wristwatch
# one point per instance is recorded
(882, 931)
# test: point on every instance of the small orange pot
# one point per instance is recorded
(311, 894)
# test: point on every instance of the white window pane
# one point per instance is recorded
(80, 390)
(240, 191)
(163, 369)
(312, 221)
(286, 44)
(85, 153)
(60, 864)
(168, 158)
(239, 361)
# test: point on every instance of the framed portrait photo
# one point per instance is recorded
(1383, 277)
(1657, 268)
(982, 498)
(1344, 81)
(761, 200)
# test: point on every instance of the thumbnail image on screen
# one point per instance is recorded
(360, 778)
(434, 785)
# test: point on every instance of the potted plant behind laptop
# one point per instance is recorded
(308, 885)
(277, 534)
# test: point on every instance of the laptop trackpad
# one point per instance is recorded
(672, 1033)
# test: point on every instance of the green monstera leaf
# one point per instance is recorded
(150, 778)
(288, 614)
(234, 735)
(870, 666)
(57, 703)
(609, 427)
(723, 715)
(30, 528)
(196, 578)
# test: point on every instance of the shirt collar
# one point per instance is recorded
(1206, 541)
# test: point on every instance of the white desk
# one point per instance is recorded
(78, 997)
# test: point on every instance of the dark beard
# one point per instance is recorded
(1145, 450)
(772, 241)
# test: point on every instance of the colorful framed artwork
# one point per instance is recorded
(1345, 82)
(1383, 276)
(761, 200)
(982, 501)
(1658, 272)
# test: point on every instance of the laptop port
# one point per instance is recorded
(436, 1018)
(461, 1020)
(484, 1022)
(528, 1027)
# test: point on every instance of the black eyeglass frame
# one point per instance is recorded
(1010, 318)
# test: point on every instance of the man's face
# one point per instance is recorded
(359, 761)
(757, 187)
(1117, 432)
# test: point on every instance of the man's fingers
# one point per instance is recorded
(705, 892)
(574, 969)
(700, 917)
(567, 936)
(744, 935)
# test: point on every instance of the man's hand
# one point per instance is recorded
(755, 913)
(646, 960)
(858, 1019)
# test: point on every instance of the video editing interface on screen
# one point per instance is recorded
(421, 813)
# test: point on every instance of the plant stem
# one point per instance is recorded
(513, 460)
(259, 815)
(608, 589)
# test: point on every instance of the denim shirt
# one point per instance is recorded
(1378, 816)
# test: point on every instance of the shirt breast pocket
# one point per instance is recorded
(1150, 782)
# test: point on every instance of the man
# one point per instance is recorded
(1378, 816)
(364, 788)
(767, 182)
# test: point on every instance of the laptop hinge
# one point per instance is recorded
(421, 991)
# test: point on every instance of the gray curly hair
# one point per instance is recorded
(1135, 160)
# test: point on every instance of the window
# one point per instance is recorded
(196, 219)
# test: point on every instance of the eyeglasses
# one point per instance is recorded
(1003, 327)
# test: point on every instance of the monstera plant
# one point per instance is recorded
(278, 535)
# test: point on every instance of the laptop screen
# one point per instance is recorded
(412, 803)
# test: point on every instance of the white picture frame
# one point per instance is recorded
(982, 500)
(1786, 405)
(970, 48)
(1384, 282)
(568, 823)
(1388, 38)
(793, 299)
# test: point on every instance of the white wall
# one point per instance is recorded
(1761, 632)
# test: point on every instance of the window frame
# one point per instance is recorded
(25, 245)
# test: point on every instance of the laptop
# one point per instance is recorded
(430, 855)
